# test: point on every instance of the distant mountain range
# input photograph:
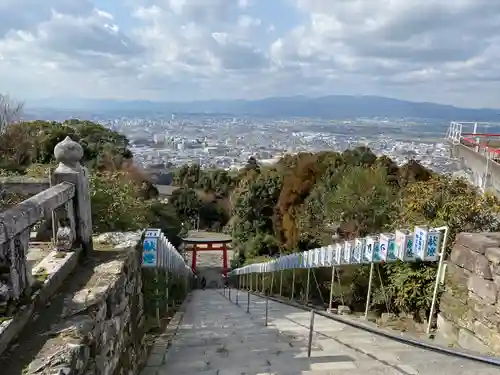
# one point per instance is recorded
(328, 107)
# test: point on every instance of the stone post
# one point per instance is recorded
(69, 153)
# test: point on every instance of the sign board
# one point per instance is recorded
(150, 232)
(150, 252)
(404, 245)
(359, 249)
(347, 254)
(433, 243)
(420, 242)
(387, 241)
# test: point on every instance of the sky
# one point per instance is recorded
(445, 51)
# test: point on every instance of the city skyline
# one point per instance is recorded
(169, 50)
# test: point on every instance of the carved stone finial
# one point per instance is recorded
(69, 153)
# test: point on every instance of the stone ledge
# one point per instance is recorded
(478, 242)
(98, 329)
(470, 305)
(56, 267)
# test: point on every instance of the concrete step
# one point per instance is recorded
(217, 337)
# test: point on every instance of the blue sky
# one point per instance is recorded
(180, 50)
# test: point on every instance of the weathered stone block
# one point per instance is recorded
(482, 311)
(453, 308)
(488, 336)
(467, 340)
(493, 236)
(447, 329)
(343, 310)
(100, 322)
(456, 280)
(471, 300)
(472, 261)
(477, 242)
(484, 289)
(493, 255)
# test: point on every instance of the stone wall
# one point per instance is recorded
(101, 327)
(24, 186)
(470, 306)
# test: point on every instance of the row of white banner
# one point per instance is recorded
(408, 246)
(158, 252)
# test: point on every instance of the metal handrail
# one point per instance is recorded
(409, 341)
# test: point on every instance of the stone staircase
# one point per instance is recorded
(218, 337)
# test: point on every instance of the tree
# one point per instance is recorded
(436, 202)
(17, 148)
(115, 203)
(188, 176)
(24, 143)
(359, 156)
(363, 202)
(300, 177)
(10, 111)
(187, 204)
(164, 217)
(217, 181)
(253, 204)
(252, 165)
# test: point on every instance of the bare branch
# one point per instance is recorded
(10, 111)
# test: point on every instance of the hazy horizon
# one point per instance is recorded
(189, 50)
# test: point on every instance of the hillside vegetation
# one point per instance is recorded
(121, 193)
(314, 199)
(304, 201)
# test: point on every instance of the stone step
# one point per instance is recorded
(211, 343)
(238, 365)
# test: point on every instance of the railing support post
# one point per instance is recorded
(157, 282)
(311, 330)
(369, 293)
(281, 282)
(331, 290)
(308, 283)
(69, 154)
(267, 309)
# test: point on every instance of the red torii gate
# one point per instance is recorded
(199, 241)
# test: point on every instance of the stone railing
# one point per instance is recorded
(100, 329)
(24, 186)
(470, 306)
(67, 201)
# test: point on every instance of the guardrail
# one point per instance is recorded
(420, 244)
(409, 341)
(160, 255)
(66, 204)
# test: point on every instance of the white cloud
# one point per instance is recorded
(200, 49)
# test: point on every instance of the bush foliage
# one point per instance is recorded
(309, 200)
(303, 201)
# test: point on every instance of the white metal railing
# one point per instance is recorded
(158, 252)
(454, 133)
(421, 244)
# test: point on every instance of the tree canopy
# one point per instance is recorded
(303, 201)
(312, 199)
(26, 143)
